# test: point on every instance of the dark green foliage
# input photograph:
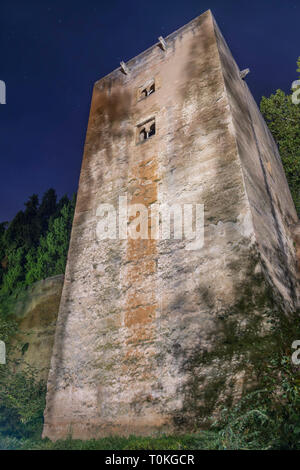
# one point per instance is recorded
(283, 119)
(49, 258)
(204, 440)
(269, 417)
(34, 245)
(2, 249)
(8, 329)
(22, 402)
(22, 394)
(48, 209)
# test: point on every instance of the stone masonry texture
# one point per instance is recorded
(35, 311)
(153, 336)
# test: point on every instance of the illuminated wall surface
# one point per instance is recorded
(156, 334)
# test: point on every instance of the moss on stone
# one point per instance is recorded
(250, 334)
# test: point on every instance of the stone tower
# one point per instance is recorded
(152, 335)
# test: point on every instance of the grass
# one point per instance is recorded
(205, 440)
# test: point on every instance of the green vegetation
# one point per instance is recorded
(268, 417)
(283, 119)
(33, 246)
(205, 440)
(22, 403)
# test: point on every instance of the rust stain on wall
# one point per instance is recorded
(141, 255)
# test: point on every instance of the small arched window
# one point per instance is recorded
(147, 90)
(145, 130)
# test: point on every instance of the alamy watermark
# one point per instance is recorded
(296, 354)
(296, 94)
(2, 353)
(156, 222)
(2, 92)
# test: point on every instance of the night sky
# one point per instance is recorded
(51, 53)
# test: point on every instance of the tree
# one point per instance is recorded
(14, 276)
(35, 243)
(24, 230)
(283, 119)
(51, 255)
(3, 260)
(47, 209)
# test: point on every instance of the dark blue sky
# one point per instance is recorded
(51, 53)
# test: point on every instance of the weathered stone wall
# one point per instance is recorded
(272, 209)
(36, 312)
(152, 336)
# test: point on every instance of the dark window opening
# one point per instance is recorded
(152, 89)
(151, 130)
(25, 348)
(146, 130)
(147, 91)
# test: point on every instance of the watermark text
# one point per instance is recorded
(2, 353)
(2, 92)
(155, 222)
(296, 94)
